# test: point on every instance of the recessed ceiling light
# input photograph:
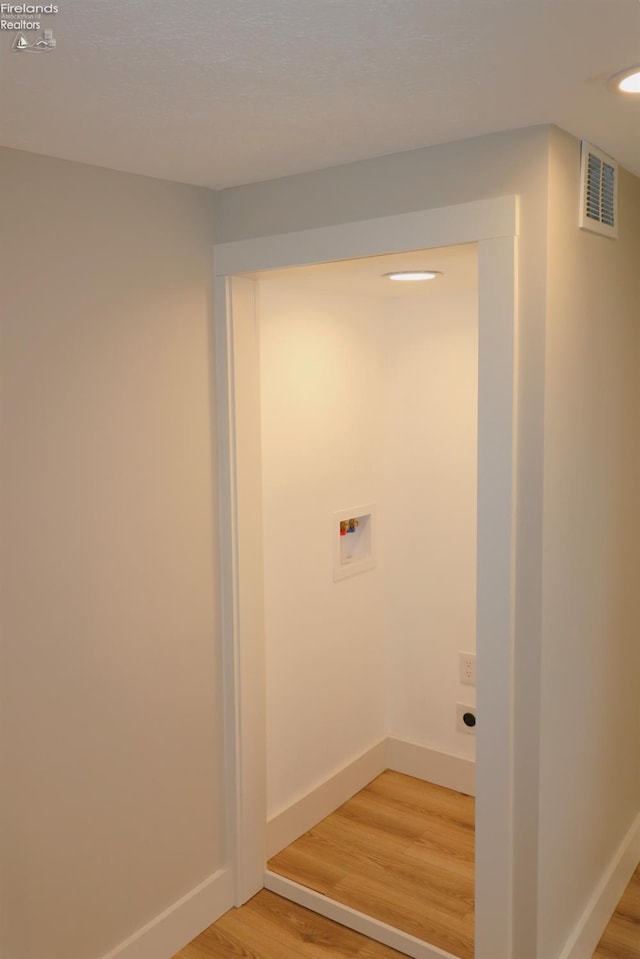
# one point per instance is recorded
(412, 275)
(627, 81)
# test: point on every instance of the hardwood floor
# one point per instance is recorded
(621, 939)
(401, 850)
(269, 927)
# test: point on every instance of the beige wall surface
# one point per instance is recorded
(515, 162)
(590, 771)
(112, 778)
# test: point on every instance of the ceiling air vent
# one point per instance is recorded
(598, 192)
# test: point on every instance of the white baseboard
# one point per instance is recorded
(586, 935)
(443, 769)
(352, 919)
(296, 819)
(180, 923)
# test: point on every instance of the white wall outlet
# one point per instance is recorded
(465, 718)
(467, 666)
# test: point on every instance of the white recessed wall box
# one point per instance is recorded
(353, 538)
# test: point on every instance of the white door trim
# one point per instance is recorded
(493, 224)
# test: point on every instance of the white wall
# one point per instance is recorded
(111, 715)
(321, 368)
(428, 521)
(590, 769)
(365, 399)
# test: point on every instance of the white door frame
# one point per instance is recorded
(493, 225)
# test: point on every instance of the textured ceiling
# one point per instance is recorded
(222, 92)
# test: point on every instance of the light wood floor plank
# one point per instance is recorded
(621, 939)
(387, 814)
(300, 925)
(335, 848)
(446, 849)
(402, 851)
(270, 927)
(365, 836)
(304, 862)
(421, 796)
(376, 950)
(413, 914)
(282, 938)
(215, 944)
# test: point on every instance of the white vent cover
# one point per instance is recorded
(598, 192)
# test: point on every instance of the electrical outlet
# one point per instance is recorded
(467, 666)
(465, 718)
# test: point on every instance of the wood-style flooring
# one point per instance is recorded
(401, 850)
(269, 927)
(621, 939)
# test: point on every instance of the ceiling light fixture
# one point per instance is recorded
(627, 81)
(412, 275)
